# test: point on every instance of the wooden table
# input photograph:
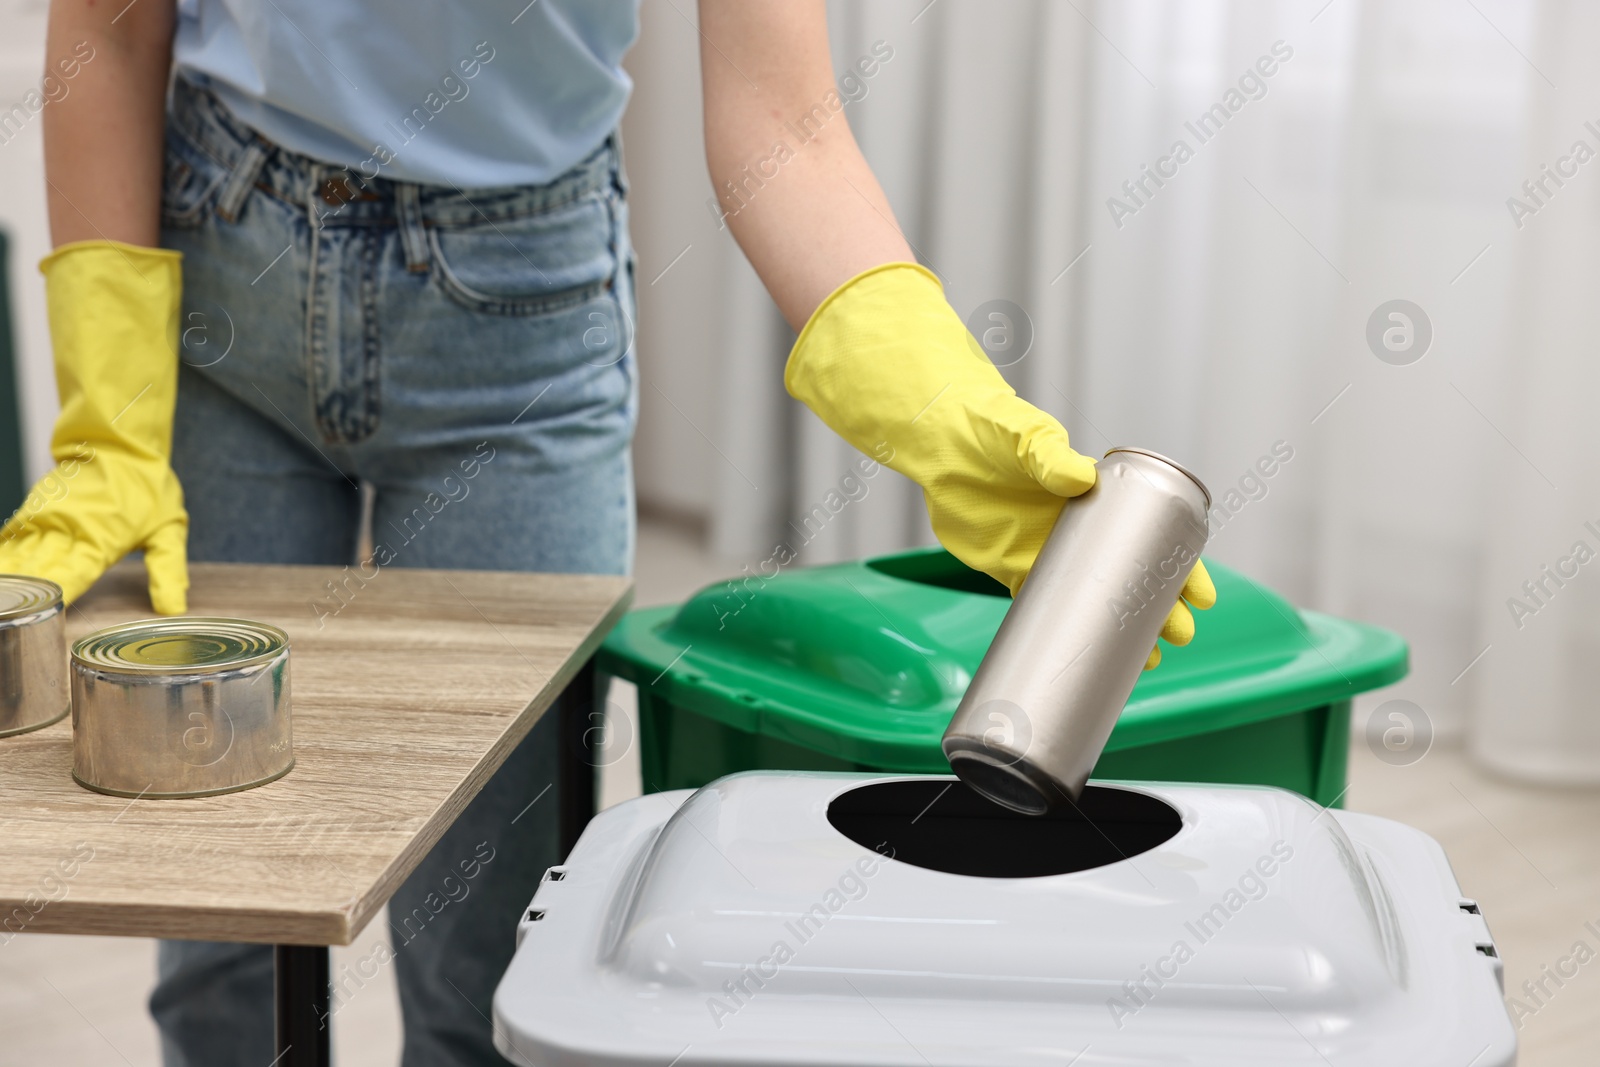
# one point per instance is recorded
(409, 689)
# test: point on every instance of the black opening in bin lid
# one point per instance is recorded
(944, 826)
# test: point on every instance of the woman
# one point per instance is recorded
(395, 240)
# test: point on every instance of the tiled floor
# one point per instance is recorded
(1531, 856)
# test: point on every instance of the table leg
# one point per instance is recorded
(300, 1002)
(301, 972)
(579, 736)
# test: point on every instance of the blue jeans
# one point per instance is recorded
(468, 354)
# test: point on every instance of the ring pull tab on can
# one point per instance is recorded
(1043, 702)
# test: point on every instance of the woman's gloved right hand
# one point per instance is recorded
(890, 367)
(114, 323)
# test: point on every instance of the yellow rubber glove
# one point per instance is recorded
(114, 321)
(889, 366)
(1198, 592)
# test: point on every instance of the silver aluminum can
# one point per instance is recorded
(33, 654)
(1042, 704)
(184, 707)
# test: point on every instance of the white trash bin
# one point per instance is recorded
(809, 919)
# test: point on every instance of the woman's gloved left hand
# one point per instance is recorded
(889, 366)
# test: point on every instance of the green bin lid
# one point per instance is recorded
(867, 660)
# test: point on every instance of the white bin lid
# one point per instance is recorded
(737, 924)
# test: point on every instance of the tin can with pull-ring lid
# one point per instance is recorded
(33, 654)
(182, 707)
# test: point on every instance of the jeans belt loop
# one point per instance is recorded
(241, 181)
(413, 238)
(619, 168)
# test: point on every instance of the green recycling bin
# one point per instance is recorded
(859, 666)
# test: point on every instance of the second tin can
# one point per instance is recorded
(33, 654)
(184, 707)
(1041, 706)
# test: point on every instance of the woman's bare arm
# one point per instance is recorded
(798, 196)
(103, 138)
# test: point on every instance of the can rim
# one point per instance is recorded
(277, 644)
(52, 596)
(1169, 461)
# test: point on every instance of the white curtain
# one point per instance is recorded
(1221, 317)
(1539, 514)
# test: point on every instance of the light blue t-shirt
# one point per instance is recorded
(471, 93)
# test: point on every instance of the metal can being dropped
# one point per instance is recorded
(1042, 704)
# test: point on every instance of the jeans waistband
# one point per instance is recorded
(352, 198)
